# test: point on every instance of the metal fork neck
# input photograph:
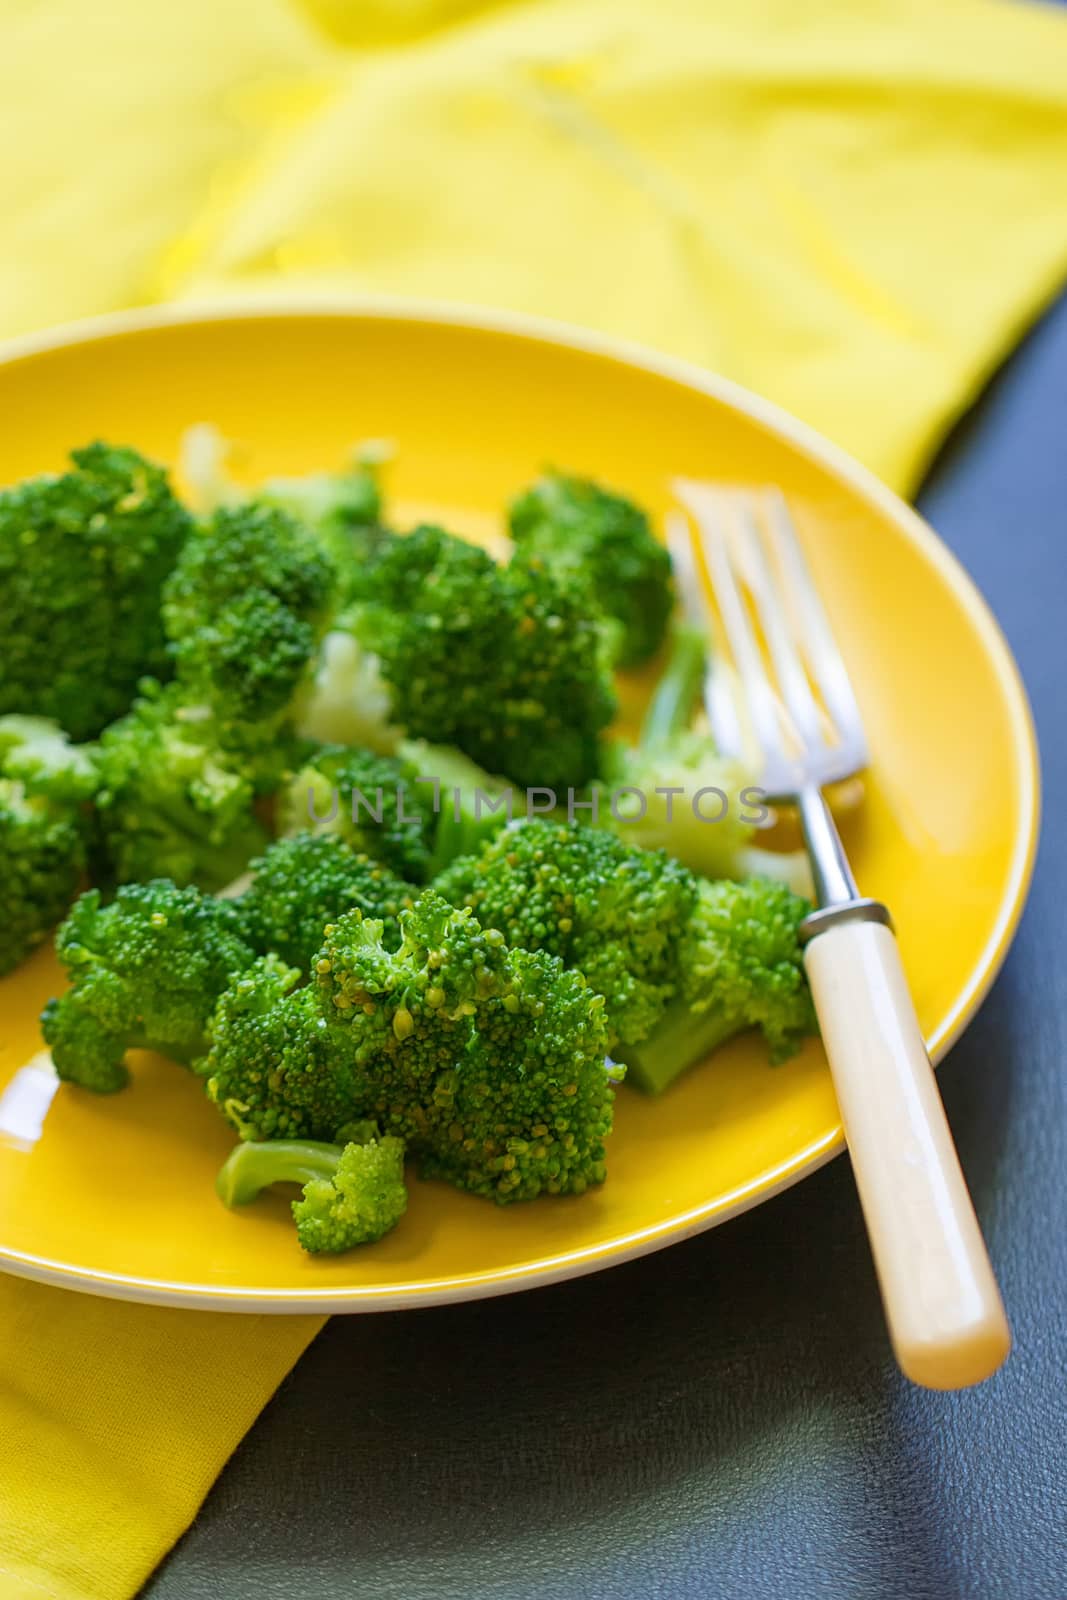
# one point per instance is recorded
(836, 892)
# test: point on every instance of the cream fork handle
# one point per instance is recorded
(945, 1315)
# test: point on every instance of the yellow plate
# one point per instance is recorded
(115, 1195)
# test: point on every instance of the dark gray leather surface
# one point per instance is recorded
(724, 1419)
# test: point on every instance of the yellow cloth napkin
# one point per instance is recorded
(853, 206)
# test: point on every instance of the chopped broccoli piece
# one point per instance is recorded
(35, 752)
(606, 541)
(42, 859)
(368, 800)
(344, 510)
(352, 1195)
(244, 608)
(173, 801)
(615, 913)
(681, 795)
(308, 880)
(277, 1068)
(740, 967)
(504, 663)
(362, 1200)
(146, 971)
(83, 558)
(528, 1105)
(470, 805)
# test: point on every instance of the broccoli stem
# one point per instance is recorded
(250, 1168)
(671, 707)
(681, 1039)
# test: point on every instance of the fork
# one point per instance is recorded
(787, 692)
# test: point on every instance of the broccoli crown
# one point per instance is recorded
(369, 800)
(684, 798)
(741, 967)
(505, 663)
(145, 973)
(361, 1200)
(35, 752)
(615, 913)
(243, 610)
(526, 1109)
(277, 1068)
(83, 559)
(407, 1011)
(42, 857)
(308, 880)
(172, 800)
(605, 540)
(344, 510)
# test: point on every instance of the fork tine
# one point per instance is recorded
(704, 505)
(815, 634)
(720, 702)
(764, 587)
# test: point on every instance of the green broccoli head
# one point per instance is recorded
(741, 966)
(42, 859)
(35, 752)
(173, 800)
(504, 663)
(353, 1194)
(83, 559)
(344, 510)
(145, 973)
(304, 882)
(615, 913)
(527, 1107)
(607, 542)
(369, 800)
(277, 1067)
(243, 610)
(361, 1200)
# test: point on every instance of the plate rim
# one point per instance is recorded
(810, 442)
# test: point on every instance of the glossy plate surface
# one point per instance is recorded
(116, 1195)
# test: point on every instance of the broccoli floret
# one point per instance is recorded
(740, 967)
(83, 558)
(674, 791)
(353, 1194)
(488, 1062)
(470, 805)
(344, 510)
(369, 800)
(306, 881)
(145, 971)
(35, 752)
(615, 913)
(42, 859)
(277, 1068)
(172, 800)
(504, 663)
(606, 541)
(244, 608)
(528, 1105)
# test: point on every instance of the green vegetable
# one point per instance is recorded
(304, 882)
(352, 1194)
(674, 792)
(368, 800)
(740, 967)
(173, 800)
(343, 509)
(244, 609)
(83, 558)
(35, 752)
(606, 541)
(146, 972)
(278, 1068)
(42, 859)
(615, 913)
(504, 663)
